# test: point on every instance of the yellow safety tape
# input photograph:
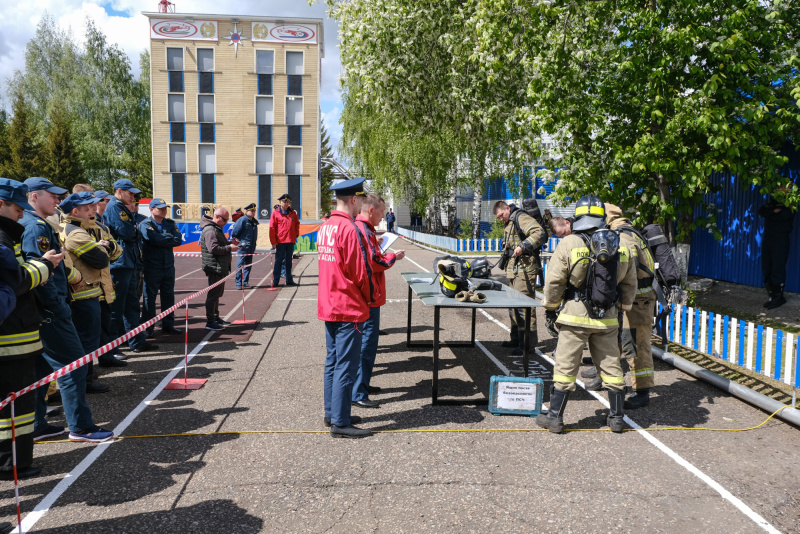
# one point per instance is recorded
(430, 430)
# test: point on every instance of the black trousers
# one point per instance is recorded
(213, 296)
(774, 255)
(15, 375)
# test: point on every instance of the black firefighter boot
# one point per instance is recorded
(639, 399)
(553, 420)
(533, 342)
(770, 291)
(776, 298)
(616, 400)
(514, 341)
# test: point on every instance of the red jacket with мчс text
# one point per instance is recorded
(380, 261)
(284, 226)
(346, 287)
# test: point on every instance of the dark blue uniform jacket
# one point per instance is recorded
(158, 241)
(246, 230)
(122, 224)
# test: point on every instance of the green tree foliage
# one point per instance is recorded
(5, 149)
(137, 146)
(109, 110)
(497, 230)
(464, 229)
(648, 101)
(24, 154)
(326, 172)
(62, 164)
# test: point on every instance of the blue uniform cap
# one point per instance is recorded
(126, 184)
(349, 188)
(158, 203)
(102, 194)
(250, 206)
(78, 199)
(38, 184)
(14, 191)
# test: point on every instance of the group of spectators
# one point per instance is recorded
(74, 269)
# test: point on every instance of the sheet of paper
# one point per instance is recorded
(387, 239)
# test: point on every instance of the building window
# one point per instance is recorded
(177, 158)
(205, 108)
(294, 63)
(176, 82)
(208, 189)
(175, 68)
(264, 134)
(265, 84)
(294, 136)
(264, 195)
(205, 66)
(207, 132)
(265, 61)
(205, 59)
(263, 160)
(294, 110)
(206, 159)
(175, 58)
(264, 110)
(176, 108)
(294, 85)
(178, 189)
(177, 132)
(295, 192)
(293, 161)
(265, 68)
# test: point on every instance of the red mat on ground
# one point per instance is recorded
(190, 278)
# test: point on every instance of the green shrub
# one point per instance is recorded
(465, 229)
(497, 230)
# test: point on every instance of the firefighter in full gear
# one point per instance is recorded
(566, 283)
(637, 324)
(20, 344)
(522, 269)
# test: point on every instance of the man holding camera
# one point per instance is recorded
(523, 238)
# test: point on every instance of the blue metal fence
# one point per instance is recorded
(737, 258)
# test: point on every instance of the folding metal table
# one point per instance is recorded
(419, 284)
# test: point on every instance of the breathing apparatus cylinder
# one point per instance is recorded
(603, 270)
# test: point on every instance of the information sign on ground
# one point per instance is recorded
(515, 395)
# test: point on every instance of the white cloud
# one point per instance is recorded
(130, 32)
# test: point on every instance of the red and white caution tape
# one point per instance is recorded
(198, 254)
(80, 362)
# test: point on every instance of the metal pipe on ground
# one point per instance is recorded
(791, 414)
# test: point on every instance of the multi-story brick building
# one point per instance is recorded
(235, 111)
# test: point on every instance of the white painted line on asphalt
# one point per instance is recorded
(47, 502)
(187, 274)
(493, 358)
(728, 496)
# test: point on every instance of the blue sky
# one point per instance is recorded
(122, 22)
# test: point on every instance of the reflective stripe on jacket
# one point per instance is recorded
(19, 333)
(88, 256)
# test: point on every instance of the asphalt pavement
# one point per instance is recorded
(437, 468)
